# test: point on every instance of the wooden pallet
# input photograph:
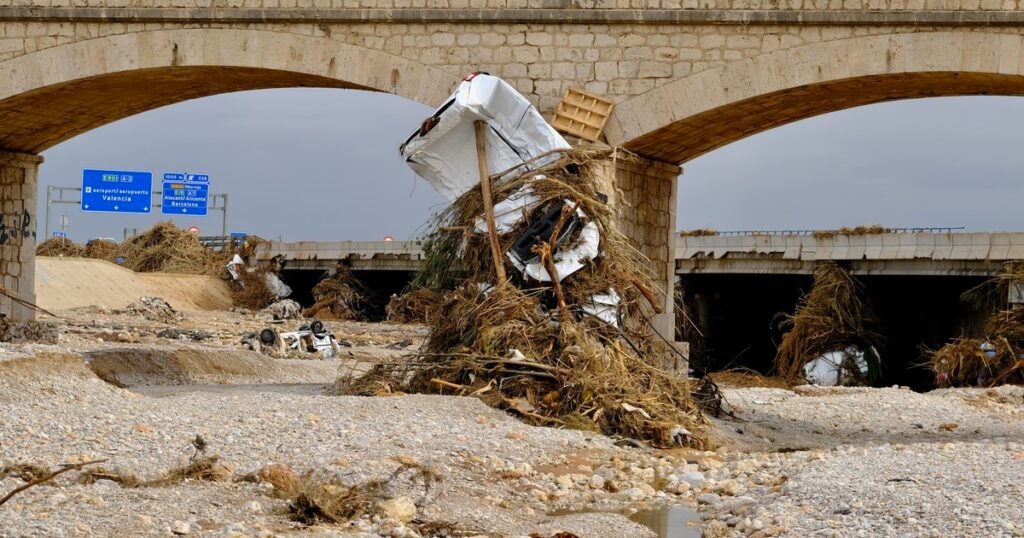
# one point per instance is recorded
(582, 114)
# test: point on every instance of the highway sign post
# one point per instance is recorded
(99, 189)
(185, 194)
(117, 191)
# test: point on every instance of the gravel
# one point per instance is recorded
(803, 462)
(943, 489)
(57, 411)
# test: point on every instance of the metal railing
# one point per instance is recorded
(220, 242)
(929, 229)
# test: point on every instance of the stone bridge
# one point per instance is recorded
(688, 76)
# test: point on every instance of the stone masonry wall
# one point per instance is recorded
(768, 5)
(644, 194)
(18, 180)
(619, 60)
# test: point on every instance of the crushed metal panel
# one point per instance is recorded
(582, 114)
(443, 150)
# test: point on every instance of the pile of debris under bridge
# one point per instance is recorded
(545, 303)
(997, 358)
(830, 340)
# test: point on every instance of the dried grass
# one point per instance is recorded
(747, 379)
(26, 472)
(253, 292)
(282, 477)
(59, 246)
(203, 468)
(419, 306)
(100, 249)
(325, 498)
(699, 232)
(123, 478)
(963, 362)
(341, 295)
(870, 229)
(829, 318)
(165, 248)
(576, 367)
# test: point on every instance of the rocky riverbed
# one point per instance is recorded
(804, 462)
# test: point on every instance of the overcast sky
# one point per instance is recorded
(323, 165)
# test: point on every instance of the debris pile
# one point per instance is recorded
(154, 309)
(100, 249)
(258, 288)
(59, 246)
(828, 341)
(281, 310)
(20, 332)
(202, 468)
(165, 248)
(319, 497)
(564, 338)
(869, 229)
(419, 306)
(698, 232)
(310, 337)
(998, 357)
(340, 295)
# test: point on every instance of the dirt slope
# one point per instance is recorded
(75, 282)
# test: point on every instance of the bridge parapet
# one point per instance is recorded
(359, 255)
(893, 253)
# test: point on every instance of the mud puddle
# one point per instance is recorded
(667, 521)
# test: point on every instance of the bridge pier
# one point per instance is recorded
(19, 177)
(644, 191)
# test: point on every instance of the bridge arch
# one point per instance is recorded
(696, 114)
(51, 95)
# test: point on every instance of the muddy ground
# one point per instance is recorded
(136, 393)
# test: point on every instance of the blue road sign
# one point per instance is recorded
(188, 178)
(60, 234)
(184, 198)
(117, 191)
